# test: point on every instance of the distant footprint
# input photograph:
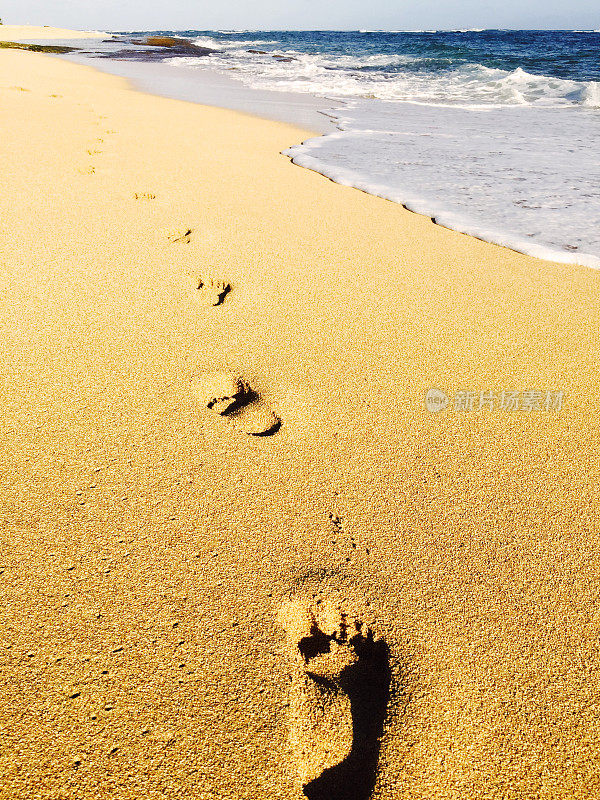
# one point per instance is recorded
(180, 235)
(339, 692)
(213, 291)
(230, 397)
(142, 195)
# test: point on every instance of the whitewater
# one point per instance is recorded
(491, 133)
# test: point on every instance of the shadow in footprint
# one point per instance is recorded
(367, 684)
(230, 397)
(215, 290)
(245, 403)
(314, 645)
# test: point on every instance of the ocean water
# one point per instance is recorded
(492, 133)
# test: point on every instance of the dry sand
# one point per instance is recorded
(148, 544)
(32, 33)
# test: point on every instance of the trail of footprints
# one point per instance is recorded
(339, 670)
(225, 394)
(93, 150)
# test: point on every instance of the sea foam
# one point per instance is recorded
(493, 133)
(504, 176)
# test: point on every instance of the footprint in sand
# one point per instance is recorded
(339, 692)
(230, 396)
(180, 235)
(213, 291)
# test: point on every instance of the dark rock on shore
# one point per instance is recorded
(159, 48)
(37, 48)
(164, 41)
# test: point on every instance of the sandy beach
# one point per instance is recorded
(34, 33)
(157, 560)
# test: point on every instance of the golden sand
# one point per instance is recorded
(26, 33)
(148, 545)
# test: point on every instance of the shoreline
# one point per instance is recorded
(433, 208)
(325, 116)
(150, 545)
(212, 88)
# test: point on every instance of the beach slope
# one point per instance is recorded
(166, 576)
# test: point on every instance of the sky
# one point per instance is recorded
(303, 14)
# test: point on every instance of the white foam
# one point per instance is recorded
(230, 44)
(504, 155)
(326, 75)
(590, 95)
(480, 173)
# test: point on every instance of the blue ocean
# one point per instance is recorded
(492, 133)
